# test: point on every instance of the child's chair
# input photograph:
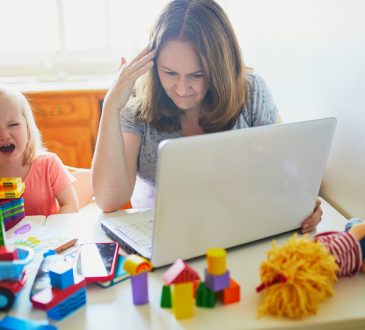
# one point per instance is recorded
(83, 186)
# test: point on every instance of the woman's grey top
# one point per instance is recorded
(259, 110)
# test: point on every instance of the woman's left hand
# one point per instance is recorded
(314, 219)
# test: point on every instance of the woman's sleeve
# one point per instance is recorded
(129, 123)
(261, 107)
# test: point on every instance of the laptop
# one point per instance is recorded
(226, 189)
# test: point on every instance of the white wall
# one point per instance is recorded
(312, 55)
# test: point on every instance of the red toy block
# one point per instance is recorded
(8, 253)
(231, 294)
(180, 272)
(195, 286)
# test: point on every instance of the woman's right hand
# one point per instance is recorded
(122, 87)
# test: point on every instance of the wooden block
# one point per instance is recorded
(182, 300)
(231, 294)
(216, 261)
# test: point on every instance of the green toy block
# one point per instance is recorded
(166, 297)
(205, 297)
(2, 230)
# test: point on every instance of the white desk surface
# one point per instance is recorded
(112, 308)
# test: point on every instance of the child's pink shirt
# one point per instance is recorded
(47, 178)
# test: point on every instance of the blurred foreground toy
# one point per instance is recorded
(66, 294)
(137, 267)
(295, 278)
(14, 323)
(11, 201)
(12, 274)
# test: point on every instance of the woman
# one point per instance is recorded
(193, 82)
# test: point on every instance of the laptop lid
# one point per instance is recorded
(229, 188)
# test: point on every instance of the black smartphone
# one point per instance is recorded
(97, 261)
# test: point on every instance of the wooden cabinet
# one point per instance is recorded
(68, 121)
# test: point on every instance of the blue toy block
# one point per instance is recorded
(68, 306)
(14, 323)
(216, 282)
(61, 275)
(140, 288)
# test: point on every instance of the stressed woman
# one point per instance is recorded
(193, 81)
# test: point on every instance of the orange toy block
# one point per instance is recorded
(195, 287)
(183, 303)
(231, 294)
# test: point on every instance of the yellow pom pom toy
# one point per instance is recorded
(295, 278)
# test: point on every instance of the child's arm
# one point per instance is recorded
(67, 200)
(358, 231)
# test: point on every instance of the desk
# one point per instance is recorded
(112, 308)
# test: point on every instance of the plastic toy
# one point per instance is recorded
(182, 279)
(12, 274)
(182, 285)
(137, 267)
(14, 323)
(11, 201)
(231, 294)
(217, 277)
(66, 294)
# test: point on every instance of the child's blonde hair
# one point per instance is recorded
(34, 144)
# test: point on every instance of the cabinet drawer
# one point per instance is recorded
(75, 147)
(62, 109)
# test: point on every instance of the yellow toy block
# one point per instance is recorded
(134, 264)
(10, 183)
(12, 193)
(216, 260)
(183, 300)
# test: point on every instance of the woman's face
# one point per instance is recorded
(181, 75)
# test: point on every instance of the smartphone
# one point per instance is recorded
(119, 276)
(97, 261)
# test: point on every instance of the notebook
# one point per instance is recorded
(228, 188)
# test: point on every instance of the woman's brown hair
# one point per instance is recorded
(205, 25)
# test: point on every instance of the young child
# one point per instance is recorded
(48, 184)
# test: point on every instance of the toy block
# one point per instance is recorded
(216, 261)
(8, 253)
(180, 272)
(195, 287)
(12, 183)
(15, 323)
(166, 297)
(204, 296)
(135, 264)
(216, 282)
(61, 275)
(140, 288)
(12, 193)
(12, 211)
(231, 294)
(68, 305)
(182, 300)
(2, 230)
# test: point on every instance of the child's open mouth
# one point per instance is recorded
(7, 148)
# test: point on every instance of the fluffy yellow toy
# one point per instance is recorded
(295, 278)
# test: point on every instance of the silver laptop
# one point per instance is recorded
(228, 188)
